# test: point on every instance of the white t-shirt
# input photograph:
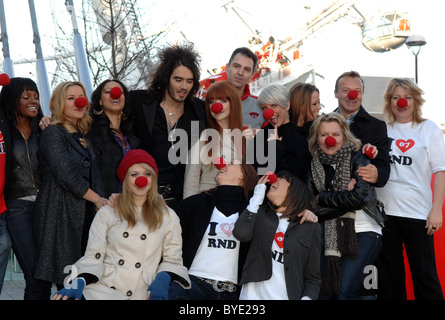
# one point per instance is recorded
(416, 153)
(275, 287)
(218, 253)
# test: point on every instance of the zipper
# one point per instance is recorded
(29, 161)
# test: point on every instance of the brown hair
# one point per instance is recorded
(301, 102)
(351, 74)
(225, 90)
(298, 198)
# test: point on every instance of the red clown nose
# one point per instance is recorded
(353, 94)
(219, 163)
(115, 93)
(271, 176)
(216, 107)
(81, 102)
(141, 181)
(268, 114)
(4, 79)
(402, 103)
(330, 141)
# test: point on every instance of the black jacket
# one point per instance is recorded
(62, 216)
(108, 153)
(291, 153)
(195, 212)
(25, 174)
(301, 249)
(145, 110)
(332, 204)
(372, 130)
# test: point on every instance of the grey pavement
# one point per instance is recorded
(14, 283)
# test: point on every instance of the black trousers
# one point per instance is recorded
(419, 248)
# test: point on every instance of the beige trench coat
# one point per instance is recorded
(126, 260)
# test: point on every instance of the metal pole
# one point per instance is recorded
(415, 64)
(8, 65)
(44, 87)
(81, 59)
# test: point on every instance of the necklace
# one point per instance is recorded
(171, 123)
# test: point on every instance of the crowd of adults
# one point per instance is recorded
(156, 194)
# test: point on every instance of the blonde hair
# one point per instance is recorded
(57, 106)
(152, 210)
(331, 117)
(414, 91)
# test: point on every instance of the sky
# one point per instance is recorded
(217, 31)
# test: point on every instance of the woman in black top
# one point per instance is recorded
(111, 130)
(284, 147)
(20, 103)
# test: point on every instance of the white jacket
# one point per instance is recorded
(126, 260)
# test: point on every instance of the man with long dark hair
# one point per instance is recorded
(167, 109)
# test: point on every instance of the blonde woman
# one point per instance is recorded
(71, 186)
(346, 206)
(134, 247)
(414, 212)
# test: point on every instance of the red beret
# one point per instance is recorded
(132, 157)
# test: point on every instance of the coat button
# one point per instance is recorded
(143, 236)
(125, 234)
(121, 262)
(97, 256)
(137, 265)
(129, 293)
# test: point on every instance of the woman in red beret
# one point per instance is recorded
(134, 249)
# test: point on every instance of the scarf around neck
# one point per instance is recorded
(340, 237)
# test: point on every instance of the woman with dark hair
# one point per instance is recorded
(293, 270)
(222, 138)
(20, 103)
(212, 254)
(304, 106)
(168, 118)
(111, 131)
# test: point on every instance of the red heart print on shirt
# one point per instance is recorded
(279, 239)
(227, 228)
(405, 145)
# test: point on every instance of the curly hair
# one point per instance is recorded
(170, 58)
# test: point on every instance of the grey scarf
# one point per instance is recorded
(339, 233)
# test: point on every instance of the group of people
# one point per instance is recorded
(156, 194)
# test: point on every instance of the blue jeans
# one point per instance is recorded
(200, 290)
(353, 275)
(5, 249)
(19, 221)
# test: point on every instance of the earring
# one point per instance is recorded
(96, 112)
